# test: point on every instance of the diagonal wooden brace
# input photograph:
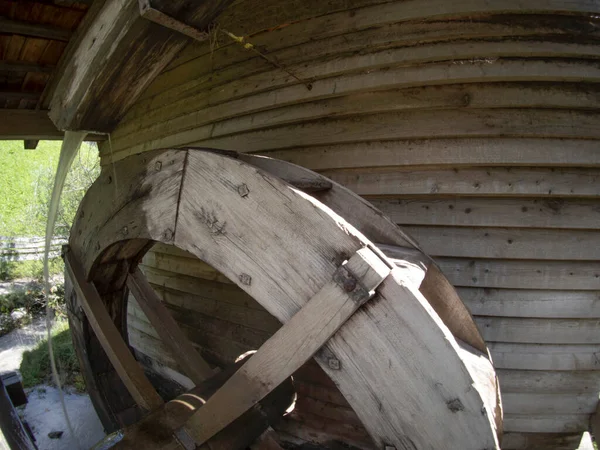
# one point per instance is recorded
(292, 345)
(182, 350)
(113, 344)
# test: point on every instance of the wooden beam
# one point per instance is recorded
(117, 55)
(127, 367)
(24, 66)
(34, 30)
(155, 431)
(292, 345)
(30, 144)
(19, 95)
(182, 350)
(24, 124)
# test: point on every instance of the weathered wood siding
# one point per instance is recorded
(472, 123)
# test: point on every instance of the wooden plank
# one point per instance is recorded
(12, 26)
(335, 22)
(545, 356)
(241, 315)
(548, 331)
(423, 125)
(549, 403)
(505, 181)
(446, 152)
(227, 86)
(507, 243)
(117, 56)
(182, 350)
(242, 115)
(542, 423)
(549, 382)
(440, 294)
(549, 441)
(116, 349)
(12, 432)
(290, 44)
(491, 273)
(183, 265)
(227, 293)
(30, 144)
(158, 430)
(21, 124)
(281, 355)
(442, 73)
(531, 303)
(492, 212)
(24, 66)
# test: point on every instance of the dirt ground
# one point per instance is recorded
(43, 411)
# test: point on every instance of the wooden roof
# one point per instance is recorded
(33, 37)
(59, 73)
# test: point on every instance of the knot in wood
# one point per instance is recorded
(245, 279)
(158, 166)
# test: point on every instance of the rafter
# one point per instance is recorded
(34, 30)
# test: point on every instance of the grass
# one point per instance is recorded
(26, 179)
(34, 270)
(35, 367)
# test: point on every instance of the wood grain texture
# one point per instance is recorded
(531, 303)
(489, 181)
(545, 356)
(292, 345)
(454, 152)
(227, 226)
(182, 350)
(492, 212)
(117, 57)
(116, 349)
(507, 243)
(434, 94)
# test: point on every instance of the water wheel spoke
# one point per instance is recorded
(182, 350)
(111, 340)
(292, 345)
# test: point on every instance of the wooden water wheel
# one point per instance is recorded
(352, 290)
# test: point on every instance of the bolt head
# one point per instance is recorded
(243, 190)
(334, 363)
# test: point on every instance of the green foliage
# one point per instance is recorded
(31, 301)
(26, 180)
(14, 270)
(35, 367)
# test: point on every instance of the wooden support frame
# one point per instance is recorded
(34, 30)
(292, 345)
(228, 213)
(116, 349)
(115, 58)
(23, 124)
(182, 350)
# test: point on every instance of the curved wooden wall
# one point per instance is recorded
(473, 123)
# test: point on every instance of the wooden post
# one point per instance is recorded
(159, 316)
(116, 349)
(12, 433)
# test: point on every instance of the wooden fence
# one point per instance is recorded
(28, 248)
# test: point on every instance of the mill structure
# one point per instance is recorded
(326, 224)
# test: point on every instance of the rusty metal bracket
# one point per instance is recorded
(159, 17)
